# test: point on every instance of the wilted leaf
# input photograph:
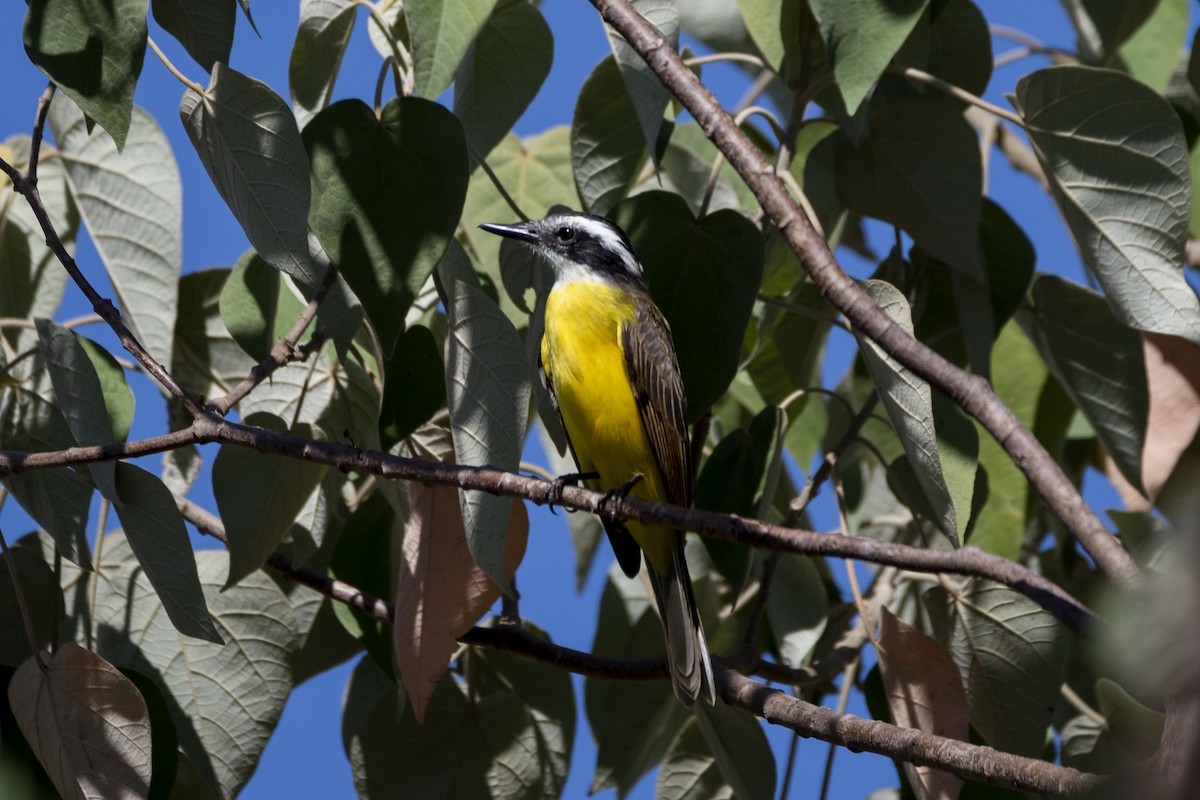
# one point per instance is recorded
(86, 723)
(925, 691)
(442, 592)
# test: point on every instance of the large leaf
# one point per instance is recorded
(203, 27)
(1012, 655)
(1099, 362)
(224, 699)
(488, 392)
(861, 37)
(501, 74)
(40, 596)
(86, 723)
(155, 532)
(1152, 52)
(414, 386)
(440, 32)
(442, 592)
(321, 39)
(93, 51)
(909, 405)
(132, 204)
(797, 605)
(740, 748)
(924, 691)
(649, 96)
(207, 361)
(919, 168)
(387, 194)
(247, 139)
(704, 275)
(633, 723)
(259, 495)
(1117, 162)
(607, 141)
(775, 28)
(1104, 25)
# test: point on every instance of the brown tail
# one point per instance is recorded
(687, 651)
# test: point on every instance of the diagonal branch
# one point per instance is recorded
(210, 428)
(972, 393)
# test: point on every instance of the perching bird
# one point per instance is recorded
(609, 363)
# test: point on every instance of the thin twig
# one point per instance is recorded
(39, 130)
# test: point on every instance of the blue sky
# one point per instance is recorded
(305, 757)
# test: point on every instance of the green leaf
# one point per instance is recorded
(388, 192)
(646, 91)
(550, 698)
(32, 281)
(501, 74)
(789, 356)
(960, 46)
(488, 392)
(633, 723)
(258, 496)
(207, 361)
(414, 386)
(357, 562)
(40, 595)
(77, 389)
(321, 39)
(861, 37)
(1104, 25)
(815, 169)
(1100, 364)
(203, 27)
(909, 405)
(774, 27)
(132, 204)
(266, 185)
(1151, 53)
(608, 145)
(1116, 159)
(797, 607)
(689, 769)
(740, 748)
(86, 722)
(249, 301)
(118, 397)
(919, 168)
(93, 51)
(1010, 260)
(537, 172)
(154, 529)
(224, 699)
(440, 32)
(704, 275)
(392, 12)
(1012, 655)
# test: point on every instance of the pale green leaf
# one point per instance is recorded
(132, 205)
(321, 39)
(93, 51)
(768, 24)
(909, 405)
(440, 32)
(689, 770)
(861, 37)
(740, 748)
(86, 723)
(1012, 655)
(797, 606)
(607, 142)
(501, 74)
(488, 393)
(1152, 52)
(247, 139)
(154, 529)
(207, 361)
(1116, 158)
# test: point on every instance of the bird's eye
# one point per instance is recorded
(565, 233)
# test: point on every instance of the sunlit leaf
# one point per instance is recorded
(649, 96)
(441, 31)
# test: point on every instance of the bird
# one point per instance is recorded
(608, 361)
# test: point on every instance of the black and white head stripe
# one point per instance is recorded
(578, 246)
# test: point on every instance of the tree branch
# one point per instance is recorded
(971, 392)
(209, 428)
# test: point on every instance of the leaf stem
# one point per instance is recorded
(184, 79)
(958, 93)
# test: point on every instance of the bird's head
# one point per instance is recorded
(577, 246)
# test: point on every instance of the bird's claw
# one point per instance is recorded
(554, 491)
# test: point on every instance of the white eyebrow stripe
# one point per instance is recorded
(610, 241)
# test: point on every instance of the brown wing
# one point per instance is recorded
(628, 554)
(658, 390)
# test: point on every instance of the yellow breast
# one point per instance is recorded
(584, 360)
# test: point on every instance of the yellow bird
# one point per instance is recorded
(609, 363)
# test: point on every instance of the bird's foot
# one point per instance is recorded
(614, 497)
(554, 492)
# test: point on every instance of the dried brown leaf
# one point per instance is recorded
(442, 591)
(924, 691)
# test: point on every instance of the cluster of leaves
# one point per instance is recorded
(424, 344)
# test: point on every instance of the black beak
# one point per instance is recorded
(521, 231)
